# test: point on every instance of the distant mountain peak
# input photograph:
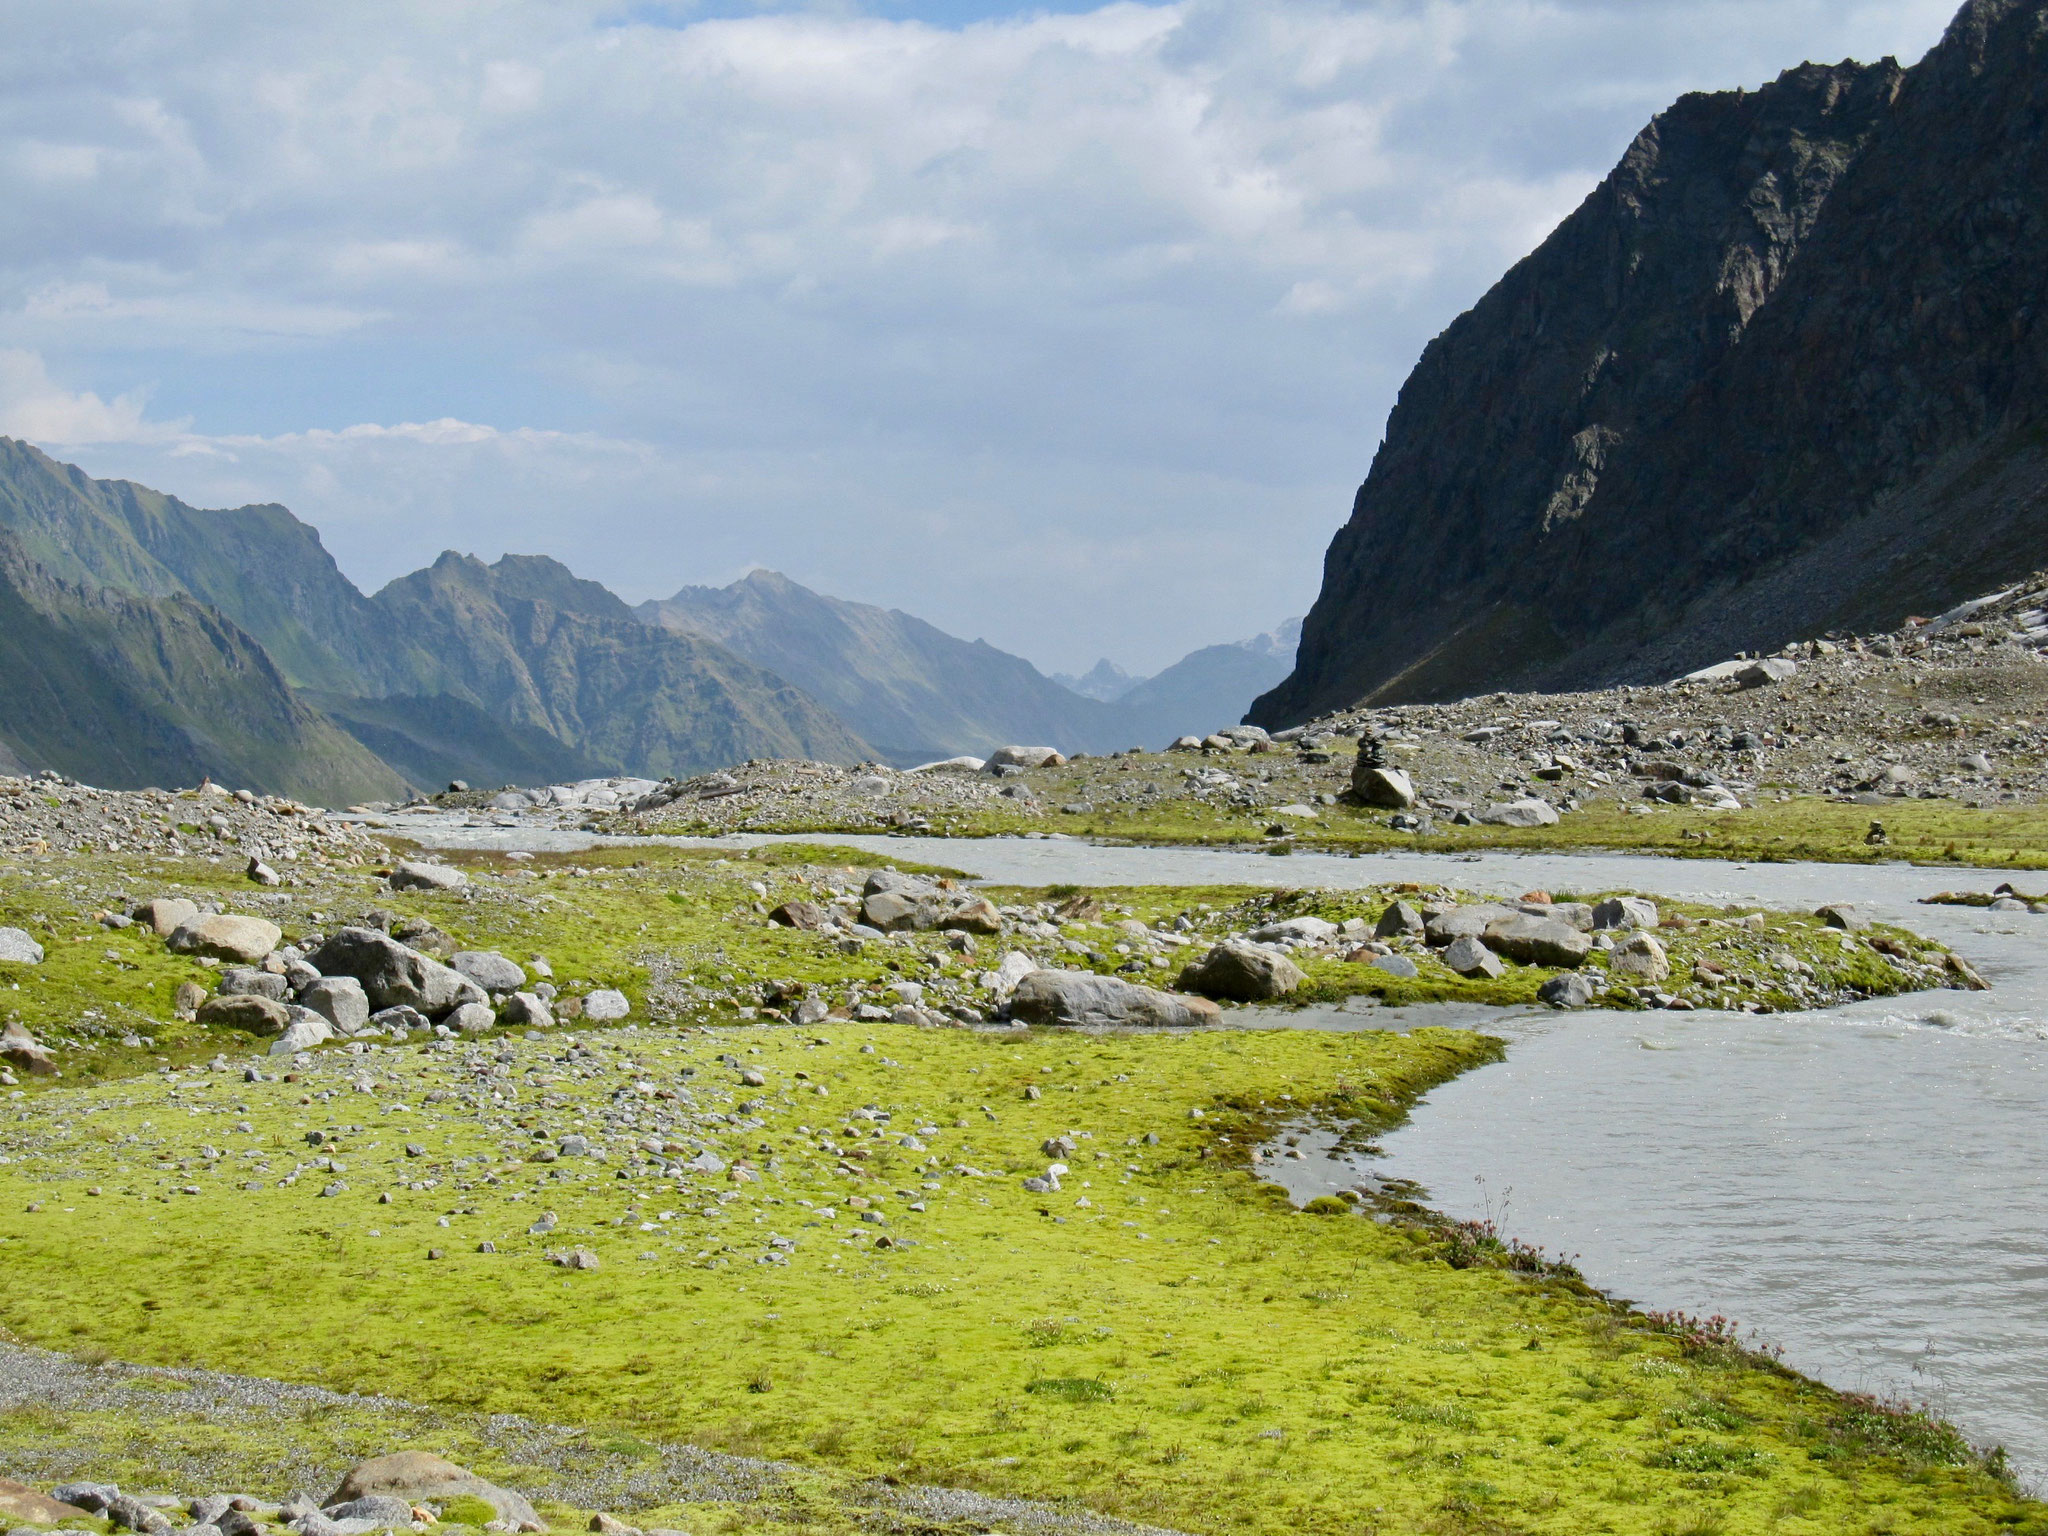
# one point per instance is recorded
(1105, 681)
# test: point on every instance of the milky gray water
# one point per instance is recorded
(1866, 1188)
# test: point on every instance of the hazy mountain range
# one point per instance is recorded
(146, 641)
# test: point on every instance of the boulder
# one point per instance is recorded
(166, 914)
(890, 911)
(246, 980)
(401, 1020)
(1840, 915)
(895, 882)
(1571, 990)
(340, 1000)
(1242, 972)
(1518, 813)
(606, 1006)
(1388, 788)
(186, 1000)
(421, 1475)
(1399, 921)
(1537, 941)
(1013, 968)
(528, 1008)
(1625, 912)
(1305, 930)
(393, 975)
(471, 1018)
(1081, 997)
(1640, 958)
(1761, 674)
(302, 1031)
(19, 1048)
(245, 1011)
(803, 915)
(1025, 757)
(17, 948)
(1397, 965)
(977, 914)
(226, 936)
(127, 1511)
(90, 1497)
(1464, 922)
(381, 1509)
(20, 1502)
(261, 873)
(417, 875)
(1472, 959)
(490, 970)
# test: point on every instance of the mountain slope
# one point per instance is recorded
(126, 692)
(1781, 372)
(627, 695)
(1210, 687)
(259, 565)
(913, 690)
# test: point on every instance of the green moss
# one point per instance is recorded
(1253, 1370)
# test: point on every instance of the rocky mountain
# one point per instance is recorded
(533, 646)
(127, 692)
(914, 691)
(1210, 687)
(518, 672)
(1781, 373)
(1103, 682)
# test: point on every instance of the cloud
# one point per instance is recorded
(1075, 327)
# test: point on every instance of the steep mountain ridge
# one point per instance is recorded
(128, 692)
(631, 696)
(1780, 373)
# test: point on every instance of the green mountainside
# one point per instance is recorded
(129, 691)
(635, 698)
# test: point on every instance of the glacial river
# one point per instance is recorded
(1865, 1188)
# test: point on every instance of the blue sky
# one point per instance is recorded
(1068, 326)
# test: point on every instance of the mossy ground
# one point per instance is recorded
(1183, 1349)
(1804, 827)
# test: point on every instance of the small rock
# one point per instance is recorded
(19, 1048)
(607, 1525)
(262, 873)
(1641, 958)
(528, 1008)
(340, 1000)
(574, 1258)
(1397, 965)
(802, 915)
(1625, 912)
(1571, 990)
(1400, 920)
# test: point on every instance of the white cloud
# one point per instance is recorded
(1075, 327)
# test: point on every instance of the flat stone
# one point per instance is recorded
(1537, 941)
(1518, 813)
(1083, 998)
(1025, 757)
(1310, 930)
(18, 1501)
(418, 875)
(227, 936)
(1397, 965)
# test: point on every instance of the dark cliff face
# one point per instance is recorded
(1779, 373)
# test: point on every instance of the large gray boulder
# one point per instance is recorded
(1538, 941)
(247, 980)
(421, 1475)
(1025, 757)
(1388, 788)
(528, 1008)
(1399, 921)
(340, 1000)
(1081, 997)
(394, 976)
(1639, 957)
(490, 970)
(245, 1011)
(419, 875)
(226, 936)
(1518, 813)
(166, 914)
(1241, 972)
(1574, 989)
(1471, 922)
(1086, 998)
(305, 1030)
(17, 948)
(1619, 912)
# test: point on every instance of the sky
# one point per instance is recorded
(1072, 327)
